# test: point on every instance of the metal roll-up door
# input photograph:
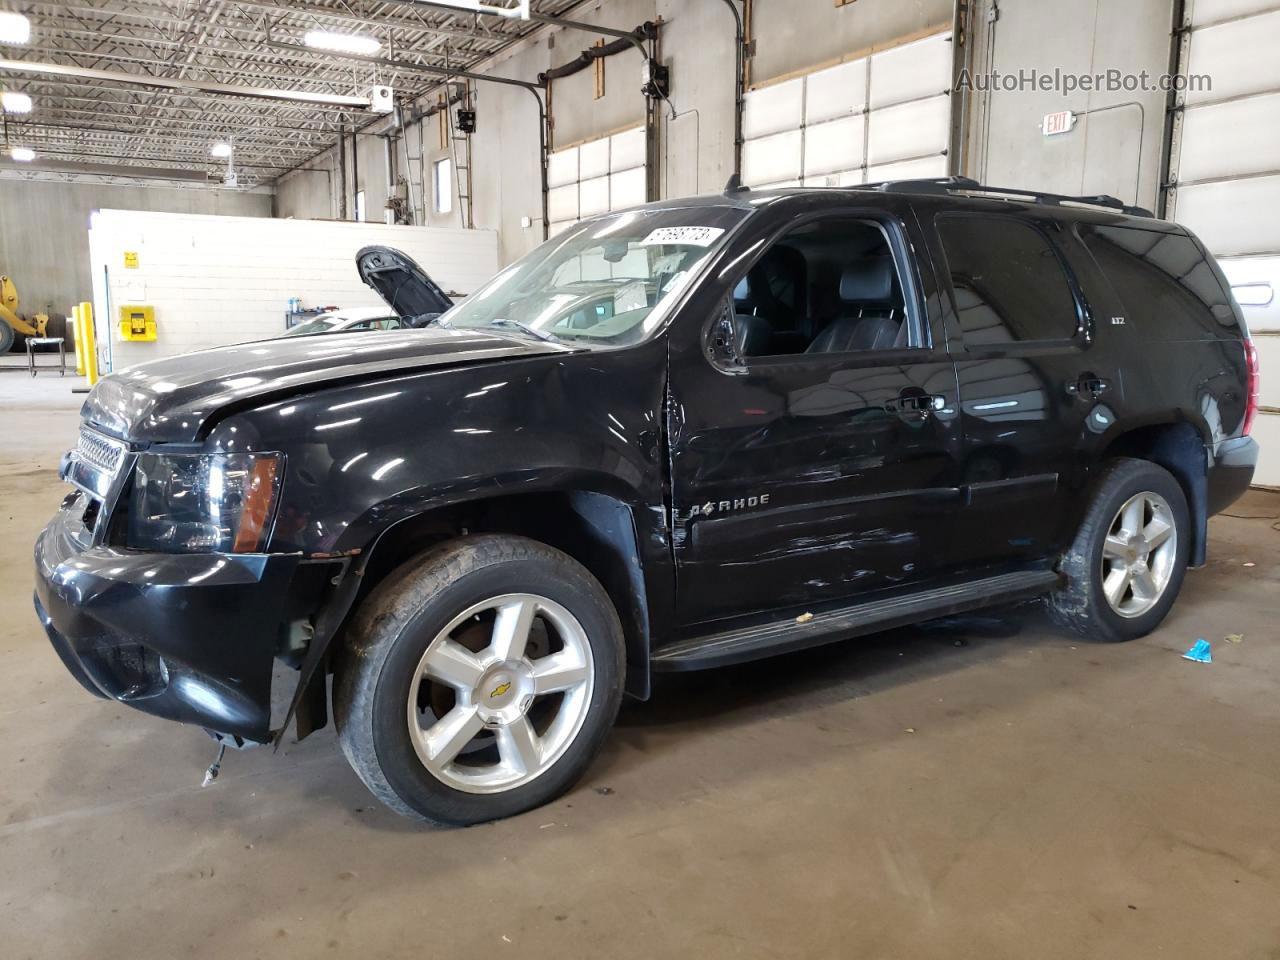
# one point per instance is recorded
(885, 116)
(595, 177)
(1225, 172)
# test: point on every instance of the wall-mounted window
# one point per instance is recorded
(442, 176)
(360, 205)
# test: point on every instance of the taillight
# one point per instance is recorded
(1251, 365)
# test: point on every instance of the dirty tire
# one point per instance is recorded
(400, 619)
(1080, 604)
(7, 336)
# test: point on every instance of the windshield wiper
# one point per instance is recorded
(427, 320)
(532, 331)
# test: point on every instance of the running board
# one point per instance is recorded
(764, 640)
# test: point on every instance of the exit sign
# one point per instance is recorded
(1060, 122)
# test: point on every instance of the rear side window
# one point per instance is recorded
(1009, 282)
(1169, 289)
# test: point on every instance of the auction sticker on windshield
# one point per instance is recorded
(689, 236)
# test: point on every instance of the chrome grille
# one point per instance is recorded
(102, 453)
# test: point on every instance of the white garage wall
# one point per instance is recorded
(885, 116)
(1226, 162)
(219, 280)
(594, 177)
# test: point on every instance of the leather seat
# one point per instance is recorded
(769, 301)
(871, 315)
(852, 334)
(754, 335)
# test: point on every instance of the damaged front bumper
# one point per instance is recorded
(188, 637)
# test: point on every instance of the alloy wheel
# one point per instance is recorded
(501, 693)
(1139, 554)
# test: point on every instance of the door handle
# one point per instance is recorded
(915, 406)
(1088, 387)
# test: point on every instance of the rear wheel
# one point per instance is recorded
(480, 681)
(7, 336)
(1126, 566)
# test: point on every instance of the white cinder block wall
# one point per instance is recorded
(220, 280)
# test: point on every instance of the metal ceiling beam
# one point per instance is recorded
(249, 50)
(216, 166)
(243, 139)
(106, 72)
(221, 128)
(406, 65)
(633, 35)
(162, 15)
(105, 169)
(379, 22)
(204, 105)
(178, 83)
(209, 69)
(90, 41)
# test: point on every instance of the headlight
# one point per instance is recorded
(203, 503)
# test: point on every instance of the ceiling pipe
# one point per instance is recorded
(537, 89)
(298, 48)
(739, 87)
(634, 36)
(176, 83)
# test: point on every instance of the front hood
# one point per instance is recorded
(174, 400)
(399, 280)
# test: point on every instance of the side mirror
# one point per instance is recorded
(722, 339)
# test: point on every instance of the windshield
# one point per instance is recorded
(320, 324)
(605, 282)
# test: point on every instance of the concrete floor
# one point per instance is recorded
(983, 788)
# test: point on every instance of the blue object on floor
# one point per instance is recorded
(1199, 652)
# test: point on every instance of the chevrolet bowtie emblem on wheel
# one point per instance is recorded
(500, 689)
(728, 506)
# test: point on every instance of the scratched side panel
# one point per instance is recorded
(801, 486)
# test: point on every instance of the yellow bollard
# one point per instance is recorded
(90, 344)
(77, 342)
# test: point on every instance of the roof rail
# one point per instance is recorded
(965, 185)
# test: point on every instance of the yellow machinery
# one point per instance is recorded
(137, 323)
(11, 323)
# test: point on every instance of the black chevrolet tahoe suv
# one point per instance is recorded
(685, 435)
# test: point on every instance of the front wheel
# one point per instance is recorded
(480, 680)
(1126, 566)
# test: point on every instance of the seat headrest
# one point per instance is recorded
(868, 280)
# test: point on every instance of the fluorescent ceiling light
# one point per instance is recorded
(520, 10)
(14, 28)
(22, 154)
(342, 42)
(13, 102)
(220, 150)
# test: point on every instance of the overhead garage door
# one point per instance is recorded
(596, 177)
(886, 116)
(1226, 165)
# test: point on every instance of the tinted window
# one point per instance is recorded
(831, 286)
(1009, 282)
(1165, 283)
